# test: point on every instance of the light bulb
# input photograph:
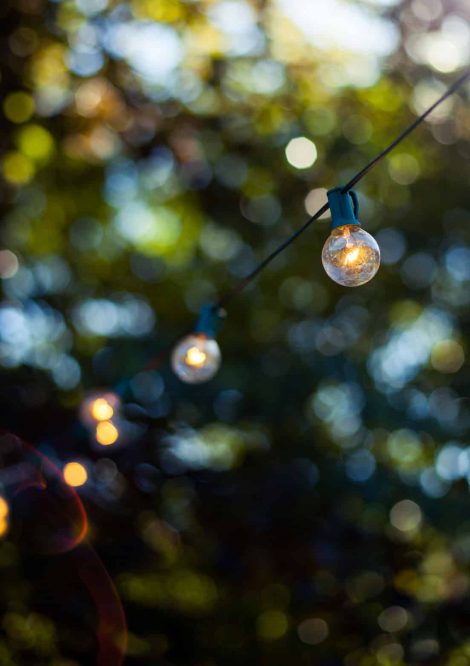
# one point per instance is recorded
(75, 474)
(351, 256)
(101, 409)
(196, 358)
(106, 433)
(99, 406)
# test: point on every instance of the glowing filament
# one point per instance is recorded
(352, 256)
(101, 410)
(195, 357)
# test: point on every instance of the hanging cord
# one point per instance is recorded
(244, 282)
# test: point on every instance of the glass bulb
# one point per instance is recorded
(351, 256)
(196, 358)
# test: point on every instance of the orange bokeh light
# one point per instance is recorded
(75, 474)
(4, 508)
(101, 410)
(106, 433)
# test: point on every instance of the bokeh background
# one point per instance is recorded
(310, 504)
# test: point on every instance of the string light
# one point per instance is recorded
(98, 413)
(106, 433)
(350, 256)
(197, 358)
(99, 407)
(75, 474)
(244, 282)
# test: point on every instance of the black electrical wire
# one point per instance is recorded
(244, 282)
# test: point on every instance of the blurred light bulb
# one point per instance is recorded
(75, 474)
(4, 508)
(351, 256)
(106, 433)
(101, 410)
(99, 406)
(196, 358)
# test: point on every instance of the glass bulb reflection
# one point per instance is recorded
(351, 256)
(196, 358)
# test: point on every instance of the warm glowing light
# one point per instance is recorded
(196, 358)
(101, 410)
(3, 527)
(99, 406)
(75, 474)
(4, 508)
(106, 433)
(351, 256)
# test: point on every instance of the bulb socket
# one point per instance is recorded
(344, 207)
(210, 320)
